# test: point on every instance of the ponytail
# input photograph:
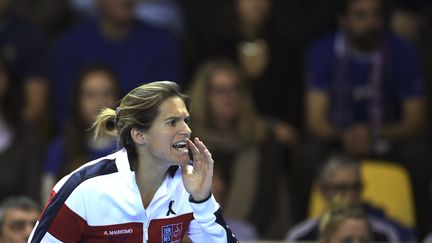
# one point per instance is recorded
(105, 124)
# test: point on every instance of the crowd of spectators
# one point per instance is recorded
(281, 91)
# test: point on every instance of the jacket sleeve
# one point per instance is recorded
(208, 224)
(62, 220)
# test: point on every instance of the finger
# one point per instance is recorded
(200, 145)
(195, 152)
(204, 151)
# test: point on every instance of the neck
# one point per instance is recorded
(361, 53)
(249, 31)
(363, 46)
(149, 176)
(115, 30)
(360, 50)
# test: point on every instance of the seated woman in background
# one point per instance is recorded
(20, 141)
(95, 89)
(343, 224)
(223, 116)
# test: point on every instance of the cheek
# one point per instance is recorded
(87, 107)
(108, 101)
(162, 141)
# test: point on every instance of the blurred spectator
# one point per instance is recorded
(242, 229)
(18, 215)
(223, 117)
(20, 142)
(136, 52)
(51, 16)
(365, 95)
(245, 34)
(344, 224)
(26, 51)
(95, 89)
(340, 176)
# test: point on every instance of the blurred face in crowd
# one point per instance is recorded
(97, 91)
(351, 230)
(17, 225)
(117, 10)
(224, 97)
(343, 181)
(253, 12)
(363, 22)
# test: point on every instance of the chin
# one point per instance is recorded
(183, 161)
(179, 160)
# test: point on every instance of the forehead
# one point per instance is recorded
(344, 173)
(15, 213)
(96, 79)
(223, 77)
(173, 106)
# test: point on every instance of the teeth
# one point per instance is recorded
(181, 145)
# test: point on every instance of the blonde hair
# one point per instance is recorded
(138, 109)
(249, 125)
(339, 211)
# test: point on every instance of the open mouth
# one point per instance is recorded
(180, 145)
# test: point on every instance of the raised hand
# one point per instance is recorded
(198, 179)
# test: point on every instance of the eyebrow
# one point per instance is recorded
(176, 118)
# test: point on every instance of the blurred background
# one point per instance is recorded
(300, 101)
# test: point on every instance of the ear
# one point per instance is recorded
(138, 136)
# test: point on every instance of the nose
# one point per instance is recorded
(185, 129)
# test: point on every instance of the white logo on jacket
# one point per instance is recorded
(118, 232)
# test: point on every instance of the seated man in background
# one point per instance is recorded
(18, 216)
(341, 175)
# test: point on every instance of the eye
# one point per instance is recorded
(186, 120)
(172, 123)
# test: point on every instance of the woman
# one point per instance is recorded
(147, 191)
(96, 88)
(223, 116)
(343, 224)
